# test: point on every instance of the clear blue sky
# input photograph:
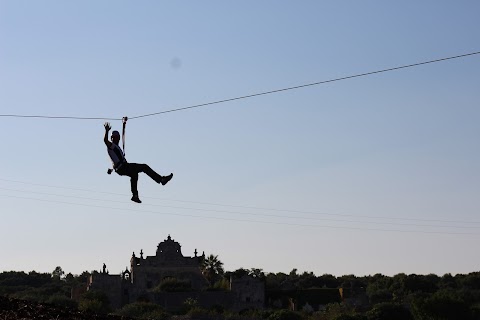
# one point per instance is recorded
(387, 165)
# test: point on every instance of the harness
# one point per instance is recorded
(117, 166)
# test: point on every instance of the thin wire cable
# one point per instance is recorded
(250, 95)
(306, 85)
(129, 210)
(247, 207)
(57, 117)
(248, 213)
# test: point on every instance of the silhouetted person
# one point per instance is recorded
(123, 168)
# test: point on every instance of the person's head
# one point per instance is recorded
(115, 136)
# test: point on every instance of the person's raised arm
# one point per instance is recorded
(105, 138)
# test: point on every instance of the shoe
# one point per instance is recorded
(165, 179)
(136, 199)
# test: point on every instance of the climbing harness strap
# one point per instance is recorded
(124, 120)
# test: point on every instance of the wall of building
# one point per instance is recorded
(148, 277)
(111, 285)
(249, 293)
(207, 299)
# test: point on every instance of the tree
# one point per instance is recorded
(390, 311)
(58, 273)
(70, 279)
(351, 281)
(272, 281)
(329, 281)
(447, 281)
(94, 301)
(256, 273)
(336, 311)
(236, 274)
(212, 268)
(293, 273)
(83, 278)
(444, 305)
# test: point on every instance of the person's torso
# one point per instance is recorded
(116, 155)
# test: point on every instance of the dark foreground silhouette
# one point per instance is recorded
(12, 309)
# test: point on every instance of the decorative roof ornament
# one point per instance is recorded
(169, 249)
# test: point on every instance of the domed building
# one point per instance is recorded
(169, 278)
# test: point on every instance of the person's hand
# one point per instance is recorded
(124, 119)
(107, 126)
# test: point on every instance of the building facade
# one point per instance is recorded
(169, 279)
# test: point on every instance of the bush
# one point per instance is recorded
(143, 310)
(218, 309)
(95, 306)
(94, 301)
(335, 311)
(441, 305)
(62, 301)
(351, 317)
(380, 296)
(197, 312)
(222, 285)
(253, 314)
(390, 311)
(285, 315)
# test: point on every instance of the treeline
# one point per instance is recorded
(405, 297)
(416, 297)
(54, 287)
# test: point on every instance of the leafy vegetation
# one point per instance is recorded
(94, 301)
(143, 310)
(376, 297)
(212, 269)
(52, 287)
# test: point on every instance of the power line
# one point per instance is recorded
(250, 214)
(241, 220)
(250, 95)
(248, 207)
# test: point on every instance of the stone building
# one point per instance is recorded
(149, 277)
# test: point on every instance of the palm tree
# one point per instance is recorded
(212, 268)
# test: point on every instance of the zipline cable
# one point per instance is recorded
(57, 117)
(250, 95)
(307, 85)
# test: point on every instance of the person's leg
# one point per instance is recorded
(131, 171)
(151, 173)
(155, 176)
(142, 167)
(133, 184)
(165, 179)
